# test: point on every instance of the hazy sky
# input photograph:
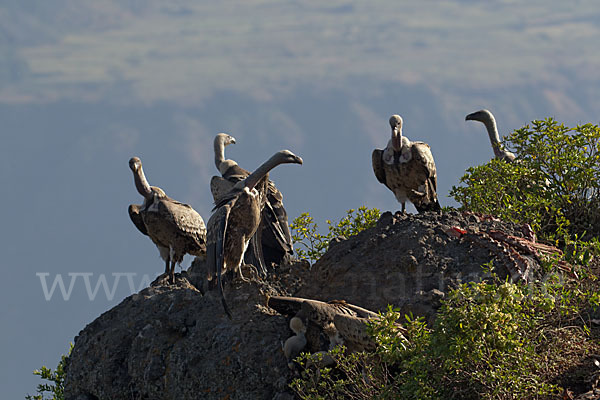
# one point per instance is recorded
(85, 85)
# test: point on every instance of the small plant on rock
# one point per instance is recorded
(56, 378)
(314, 245)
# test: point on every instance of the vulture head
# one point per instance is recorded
(286, 157)
(396, 125)
(224, 139)
(484, 116)
(281, 157)
(135, 164)
(297, 326)
(141, 184)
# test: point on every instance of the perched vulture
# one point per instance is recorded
(236, 218)
(175, 228)
(487, 118)
(341, 322)
(407, 169)
(272, 241)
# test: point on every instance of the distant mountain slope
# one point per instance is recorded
(184, 51)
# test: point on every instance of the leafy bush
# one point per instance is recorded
(305, 231)
(491, 340)
(554, 184)
(57, 378)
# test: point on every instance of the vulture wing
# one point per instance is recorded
(377, 161)
(136, 218)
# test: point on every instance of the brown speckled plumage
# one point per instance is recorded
(273, 241)
(343, 323)
(175, 228)
(407, 169)
(235, 220)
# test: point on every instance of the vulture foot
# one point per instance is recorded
(163, 279)
(249, 270)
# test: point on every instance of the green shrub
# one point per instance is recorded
(314, 245)
(57, 378)
(491, 340)
(554, 184)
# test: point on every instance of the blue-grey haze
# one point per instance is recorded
(85, 85)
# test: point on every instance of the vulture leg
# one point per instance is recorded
(172, 271)
(240, 275)
(167, 263)
(165, 254)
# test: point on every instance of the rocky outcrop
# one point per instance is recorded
(410, 261)
(172, 342)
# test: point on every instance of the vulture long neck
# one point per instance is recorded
(141, 184)
(401, 146)
(492, 129)
(219, 151)
(281, 157)
(251, 181)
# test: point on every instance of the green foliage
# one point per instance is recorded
(57, 378)
(328, 383)
(554, 185)
(305, 231)
(486, 339)
(491, 340)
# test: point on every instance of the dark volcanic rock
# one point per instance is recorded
(171, 342)
(409, 261)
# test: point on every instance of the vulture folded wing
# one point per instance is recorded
(277, 219)
(422, 152)
(235, 173)
(219, 187)
(378, 169)
(136, 218)
(215, 254)
(354, 331)
(426, 178)
(187, 221)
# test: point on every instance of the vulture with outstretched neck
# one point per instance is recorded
(407, 169)
(273, 240)
(236, 217)
(175, 228)
(487, 118)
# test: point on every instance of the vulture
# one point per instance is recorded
(175, 228)
(272, 241)
(236, 217)
(341, 322)
(407, 169)
(487, 118)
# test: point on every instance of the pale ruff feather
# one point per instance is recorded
(405, 153)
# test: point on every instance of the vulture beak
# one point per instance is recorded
(469, 117)
(396, 139)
